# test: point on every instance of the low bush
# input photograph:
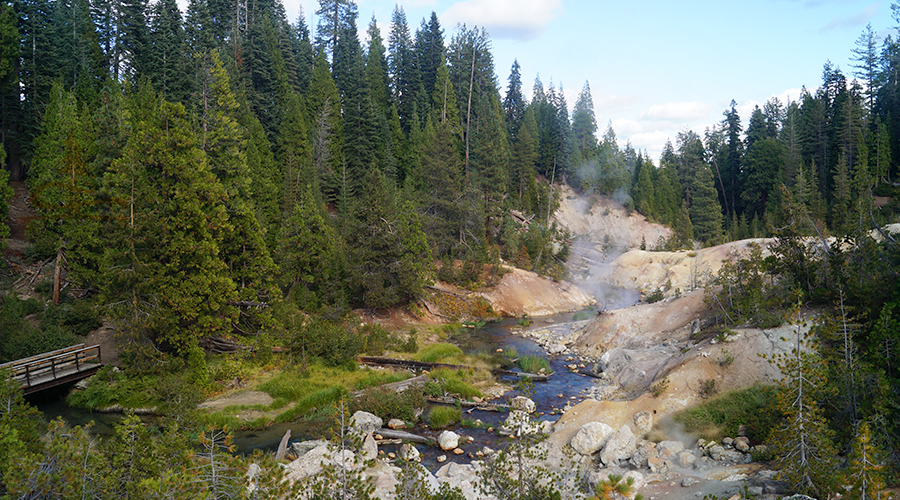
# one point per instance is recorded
(723, 415)
(443, 416)
(388, 404)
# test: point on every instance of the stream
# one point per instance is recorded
(502, 334)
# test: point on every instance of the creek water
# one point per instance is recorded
(502, 334)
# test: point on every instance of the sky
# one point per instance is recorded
(655, 68)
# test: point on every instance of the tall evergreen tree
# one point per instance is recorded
(584, 123)
(429, 53)
(333, 16)
(514, 103)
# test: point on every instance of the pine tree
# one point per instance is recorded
(390, 261)
(523, 159)
(706, 214)
(165, 253)
(402, 68)
(64, 191)
(803, 445)
(584, 123)
(439, 178)
(323, 105)
(865, 475)
(333, 16)
(514, 102)
(168, 66)
(294, 155)
(429, 52)
(376, 71)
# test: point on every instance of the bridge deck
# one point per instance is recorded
(54, 368)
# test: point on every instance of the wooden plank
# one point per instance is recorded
(29, 359)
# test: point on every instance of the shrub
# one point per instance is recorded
(659, 387)
(443, 416)
(707, 388)
(332, 342)
(388, 404)
(655, 296)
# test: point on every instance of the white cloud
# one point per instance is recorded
(678, 111)
(516, 19)
(852, 21)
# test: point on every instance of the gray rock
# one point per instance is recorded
(591, 437)
(410, 453)
(668, 449)
(689, 481)
(522, 403)
(369, 450)
(308, 465)
(299, 448)
(643, 421)
(716, 452)
(448, 440)
(726, 442)
(686, 458)
(642, 454)
(658, 465)
(741, 444)
(621, 446)
(365, 422)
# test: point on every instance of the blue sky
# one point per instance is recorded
(655, 67)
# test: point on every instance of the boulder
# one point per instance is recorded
(299, 448)
(741, 444)
(396, 424)
(591, 438)
(365, 422)
(689, 481)
(308, 465)
(668, 449)
(369, 450)
(642, 454)
(448, 440)
(686, 458)
(621, 446)
(410, 453)
(716, 452)
(522, 403)
(643, 421)
(659, 465)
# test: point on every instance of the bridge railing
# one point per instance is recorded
(53, 365)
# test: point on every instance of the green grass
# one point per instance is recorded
(510, 352)
(454, 382)
(721, 416)
(439, 353)
(533, 364)
(443, 416)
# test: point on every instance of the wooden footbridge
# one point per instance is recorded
(54, 368)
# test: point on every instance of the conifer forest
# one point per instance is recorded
(224, 175)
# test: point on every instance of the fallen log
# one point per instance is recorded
(422, 365)
(446, 400)
(397, 386)
(406, 436)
